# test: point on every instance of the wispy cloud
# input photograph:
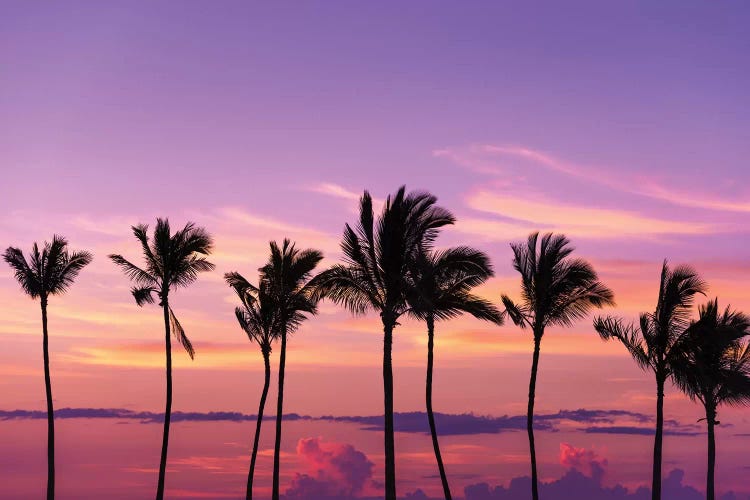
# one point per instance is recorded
(580, 220)
(495, 159)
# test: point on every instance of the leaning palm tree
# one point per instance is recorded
(287, 275)
(652, 343)
(258, 319)
(49, 272)
(714, 368)
(556, 290)
(441, 289)
(374, 276)
(171, 261)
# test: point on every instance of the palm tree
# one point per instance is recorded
(714, 368)
(556, 290)
(171, 261)
(258, 319)
(288, 273)
(442, 283)
(49, 272)
(375, 277)
(652, 343)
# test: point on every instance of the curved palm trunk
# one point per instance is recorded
(658, 438)
(711, 420)
(168, 408)
(530, 416)
(50, 409)
(262, 405)
(430, 416)
(390, 448)
(279, 415)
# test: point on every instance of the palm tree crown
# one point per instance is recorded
(375, 275)
(652, 342)
(49, 272)
(258, 316)
(171, 260)
(287, 274)
(714, 362)
(555, 288)
(441, 284)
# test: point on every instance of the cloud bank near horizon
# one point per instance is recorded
(596, 421)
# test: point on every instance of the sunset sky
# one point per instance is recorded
(624, 125)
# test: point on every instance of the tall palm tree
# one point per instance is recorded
(171, 261)
(288, 274)
(652, 343)
(714, 368)
(375, 277)
(258, 318)
(49, 272)
(441, 289)
(556, 290)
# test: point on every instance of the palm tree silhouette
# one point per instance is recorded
(375, 277)
(556, 290)
(287, 273)
(441, 289)
(172, 261)
(714, 368)
(258, 318)
(49, 272)
(652, 343)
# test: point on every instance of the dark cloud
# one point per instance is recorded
(642, 431)
(412, 422)
(575, 485)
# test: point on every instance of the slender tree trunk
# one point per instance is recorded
(711, 420)
(267, 361)
(168, 408)
(279, 415)
(656, 479)
(530, 416)
(430, 416)
(50, 409)
(390, 448)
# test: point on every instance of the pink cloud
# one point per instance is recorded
(587, 461)
(335, 470)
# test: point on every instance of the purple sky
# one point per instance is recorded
(623, 124)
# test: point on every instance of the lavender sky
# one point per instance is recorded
(624, 125)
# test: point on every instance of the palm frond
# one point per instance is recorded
(516, 313)
(143, 295)
(135, 273)
(614, 328)
(180, 335)
(67, 269)
(24, 274)
(345, 286)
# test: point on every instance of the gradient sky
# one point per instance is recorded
(624, 125)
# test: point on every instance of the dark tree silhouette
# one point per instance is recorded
(652, 343)
(713, 367)
(556, 290)
(287, 274)
(441, 289)
(375, 277)
(49, 272)
(258, 318)
(171, 261)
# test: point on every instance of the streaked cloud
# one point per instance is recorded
(495, 159)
